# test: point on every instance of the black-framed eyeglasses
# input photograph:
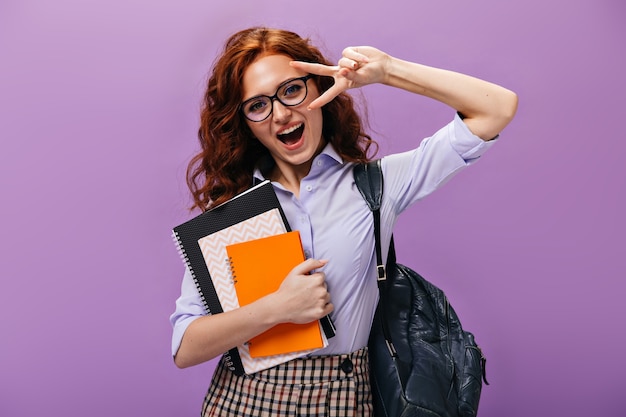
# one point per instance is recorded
(290, 93)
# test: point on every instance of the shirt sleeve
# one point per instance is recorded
(413, 175)
(189, 307)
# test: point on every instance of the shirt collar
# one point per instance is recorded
(264, 164)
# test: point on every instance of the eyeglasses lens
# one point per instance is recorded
(291, 93)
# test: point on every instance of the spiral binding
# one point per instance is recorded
(183, 254)
(185, 258)
(233, 275)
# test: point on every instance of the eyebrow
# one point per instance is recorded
(275, 91)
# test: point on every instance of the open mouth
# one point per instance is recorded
(291, 135)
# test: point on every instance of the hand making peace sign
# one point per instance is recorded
(357, 67)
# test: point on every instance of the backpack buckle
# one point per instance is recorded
(382, 276)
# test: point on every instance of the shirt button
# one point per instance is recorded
(319, 163)
(308, 188)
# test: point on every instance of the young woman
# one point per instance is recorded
(276, 109)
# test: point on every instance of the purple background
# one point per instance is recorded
(98, 115)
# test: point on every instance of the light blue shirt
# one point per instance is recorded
(335, 224)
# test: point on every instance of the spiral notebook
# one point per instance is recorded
(206, 235)
(258, 268)
(215, 255)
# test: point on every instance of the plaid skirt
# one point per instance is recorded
(318, 386)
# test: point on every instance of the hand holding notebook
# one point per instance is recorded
(304, 293)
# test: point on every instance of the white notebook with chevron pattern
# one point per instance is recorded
(213, 248)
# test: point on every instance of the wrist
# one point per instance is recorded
(270, 309)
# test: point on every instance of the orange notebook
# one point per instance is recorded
(259, 267)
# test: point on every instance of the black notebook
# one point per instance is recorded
(201, 241)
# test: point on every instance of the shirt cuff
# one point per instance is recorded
(189, 307)
(179, 332)
(465, 143)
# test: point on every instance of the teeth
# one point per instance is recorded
(291, 129)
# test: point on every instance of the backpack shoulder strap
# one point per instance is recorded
(369, 180)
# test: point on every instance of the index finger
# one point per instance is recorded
(313, 68)
(309, 265)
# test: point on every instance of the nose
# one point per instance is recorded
(280, 112)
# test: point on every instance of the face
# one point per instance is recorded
(292, 134)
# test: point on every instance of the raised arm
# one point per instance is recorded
(486, 108)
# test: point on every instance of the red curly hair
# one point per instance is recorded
(229, 153)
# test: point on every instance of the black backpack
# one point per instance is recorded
(422, 362)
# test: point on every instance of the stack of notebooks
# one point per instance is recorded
(238, 252)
